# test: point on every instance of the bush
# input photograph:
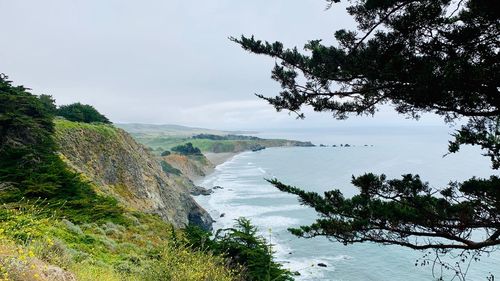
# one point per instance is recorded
(165, 153)
(187, 149)
(29, 162)
(78, 112)
(243, 247)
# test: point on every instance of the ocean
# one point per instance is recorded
(393, 151)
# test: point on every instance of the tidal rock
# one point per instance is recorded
(198, 190)
(322, 264)
(258, 147)
(201, 218)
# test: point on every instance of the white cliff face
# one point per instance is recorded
(119, 166)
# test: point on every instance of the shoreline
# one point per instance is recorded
(219, 158)
(215, 211)
(215, 159)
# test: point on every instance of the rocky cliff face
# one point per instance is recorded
(121, 167)
(193, 167)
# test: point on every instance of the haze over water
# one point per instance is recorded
(390, 150)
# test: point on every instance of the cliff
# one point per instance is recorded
(193, 167)
(119, 166)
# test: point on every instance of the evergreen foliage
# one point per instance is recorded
(49, 103)
(29, 164)
(428, 56)
(78, 112)
(243, 247)
(165, 153)
(186, 149)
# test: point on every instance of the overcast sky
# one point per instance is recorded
(165, 62)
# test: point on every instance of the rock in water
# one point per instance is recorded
(198, 190)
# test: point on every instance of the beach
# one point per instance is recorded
(219, 158)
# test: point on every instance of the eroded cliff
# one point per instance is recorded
(119, 166)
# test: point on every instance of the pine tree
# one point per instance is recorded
(429, 56)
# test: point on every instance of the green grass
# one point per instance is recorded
(143, 248)
(88, 233)
(63, 126)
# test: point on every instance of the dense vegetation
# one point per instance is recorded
(142, 247)
(78, 112)
(425, 56)
(243, 247)
(165, 153)
(186, 149)
(30, 166)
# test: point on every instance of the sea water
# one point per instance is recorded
(393, 151)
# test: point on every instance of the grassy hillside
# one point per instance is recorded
(74, 239)
(83, 201)
(89, 235)
(168, 130)
(163, 137)
(218, 146)
(38, 244)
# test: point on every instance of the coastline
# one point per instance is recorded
(217, 212)
(219, 158)
(215, 159)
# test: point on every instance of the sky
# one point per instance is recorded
(168, 62)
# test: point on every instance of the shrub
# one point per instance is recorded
(242, 246)
(78, 112)
(187, 149)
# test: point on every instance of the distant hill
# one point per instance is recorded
(164, 137)
(137, 129)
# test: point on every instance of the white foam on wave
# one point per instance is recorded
(308, 268)
(275, 222)
(268, 195)
(238, 179)
(341, 258)
(251, 211)
(231, 161)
